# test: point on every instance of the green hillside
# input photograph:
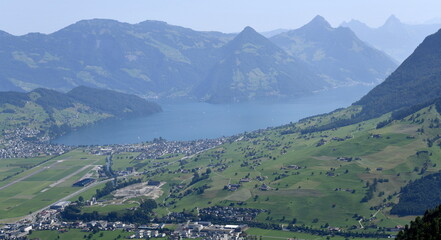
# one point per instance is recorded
(52, 113)
(151, 58)
(415, 81)
(319, 178)
(252, 67)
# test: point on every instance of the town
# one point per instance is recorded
(27, 142)
(49, 219)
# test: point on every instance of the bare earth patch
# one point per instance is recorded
(406, 129)
(293, 193)
(324, 158)
(23, 196)
(139, 190)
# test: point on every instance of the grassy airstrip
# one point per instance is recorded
(52, 183)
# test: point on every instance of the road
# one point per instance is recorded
(280, 237)
(34, 214)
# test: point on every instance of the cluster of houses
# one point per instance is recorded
(236, 186)
(207, 230)
(228, 214)
(157, 149)
(24, 143)
(47, 220)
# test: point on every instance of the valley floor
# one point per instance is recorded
(341, 180)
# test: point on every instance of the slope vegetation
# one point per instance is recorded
(417, 80)
(54, 113)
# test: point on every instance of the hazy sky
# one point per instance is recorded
(22, 16)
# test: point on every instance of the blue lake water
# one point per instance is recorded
(196, 120)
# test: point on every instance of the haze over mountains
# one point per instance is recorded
(155, 60)
(253, 67)
(395, 38)
(416, 81)
(336, 53)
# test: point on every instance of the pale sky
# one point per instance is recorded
(19, 17)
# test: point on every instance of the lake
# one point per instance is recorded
(196, 120)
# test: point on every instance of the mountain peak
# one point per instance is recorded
(392, 20)
(248, 34)
(248, 30)
(318, 21)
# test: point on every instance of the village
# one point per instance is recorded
(49, 219)
(27, 143)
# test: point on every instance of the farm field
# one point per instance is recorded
(278, 234)
(78, 234)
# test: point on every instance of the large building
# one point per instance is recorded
(84, 182)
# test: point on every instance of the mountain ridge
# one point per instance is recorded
(152, 59)
(415, 81)
(253, 67)
(395, 38)
(336, 53)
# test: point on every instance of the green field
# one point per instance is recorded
(11, 167)
(78, 234)
(276, 234)
(52, 183)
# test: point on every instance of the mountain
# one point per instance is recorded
(273, 33)
(156, 60)
(252, 67)
(151, 59)
(54, 113)
(394, 37)
(336, 53)
(417, 80)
